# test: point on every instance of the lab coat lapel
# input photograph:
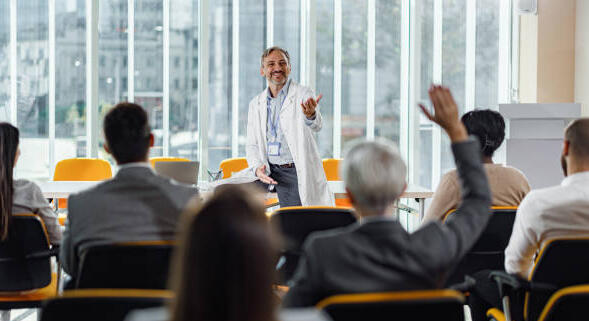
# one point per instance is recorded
(289, 103)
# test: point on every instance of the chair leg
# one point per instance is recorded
(506, 308)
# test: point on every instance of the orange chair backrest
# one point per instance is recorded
(82, 169)
(232, 165)
(331, 168)
(153, 160)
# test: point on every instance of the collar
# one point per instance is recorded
(134, 164)
(581, 177)
(283, 91)
(376, 218)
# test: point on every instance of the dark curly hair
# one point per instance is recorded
(489, 128)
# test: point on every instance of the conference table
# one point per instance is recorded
(62, 189)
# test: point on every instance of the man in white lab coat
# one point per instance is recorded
(281, 147)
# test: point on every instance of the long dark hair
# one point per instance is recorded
(224, 267)
(8, 146)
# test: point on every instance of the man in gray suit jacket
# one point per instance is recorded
(135, 205)
(378, 254)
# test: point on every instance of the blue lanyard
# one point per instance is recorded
(274, 121)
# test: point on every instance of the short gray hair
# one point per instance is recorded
(268, 51)
(374, 173)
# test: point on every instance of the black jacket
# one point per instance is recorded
(379, 255)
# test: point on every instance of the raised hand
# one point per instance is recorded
(310, 105)
(445, 113)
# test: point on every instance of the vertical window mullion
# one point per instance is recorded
(269, 23)
(337, 81)
(131, 51)
(52, 85)
(370, 69)
(405, 101)
(437, 78)
(92, 78)
(203, 89)
(166, 78)
(311, 43)
(505, 13)
(235, 81)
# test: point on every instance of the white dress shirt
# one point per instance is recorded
(544, 214)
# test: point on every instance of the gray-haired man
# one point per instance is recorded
(378, 254)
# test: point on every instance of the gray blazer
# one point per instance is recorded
(379, 255)
(135, 205)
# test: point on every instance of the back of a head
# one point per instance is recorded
(9, 138)
(374, 173)
(489, 128)
(577, 134)
(224, 268)
(127, 131)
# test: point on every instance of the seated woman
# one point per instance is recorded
(224, 268)
(508, 184)
(21, 196)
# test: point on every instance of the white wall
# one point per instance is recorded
(582, 55)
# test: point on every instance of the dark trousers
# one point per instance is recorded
(288, 185)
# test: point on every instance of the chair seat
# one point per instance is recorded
(30, 298)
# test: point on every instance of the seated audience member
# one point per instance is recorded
(544, 214)
(378, 254)
(21, 196)
(508, 185)
(224, 269)
(135, 205)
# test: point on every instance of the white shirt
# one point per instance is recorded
(544, 214)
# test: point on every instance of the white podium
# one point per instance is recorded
(534, 135)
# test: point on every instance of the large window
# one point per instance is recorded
(195, 66)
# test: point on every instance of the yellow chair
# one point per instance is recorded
(153, 160)
(81, 169)
(102, 304)
(26, 278)
(407, 305)
(232, 165)
(331, 168)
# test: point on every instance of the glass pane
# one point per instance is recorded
(219, 135)
(422, 166)
(149, 69)
(453, 64)
(287, 32)
(353, 70)
(70, 80)
(454, 48)
(252, 40)
(4, 61)
(33, 87)
(388, 69)
(324, 74)
(487, 54)
(112, 59)
(184, 79)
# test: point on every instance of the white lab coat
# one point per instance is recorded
(313, 189)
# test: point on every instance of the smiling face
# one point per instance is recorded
(276, 68)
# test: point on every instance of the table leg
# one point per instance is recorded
(421, 202)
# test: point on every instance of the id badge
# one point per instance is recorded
(274, 149)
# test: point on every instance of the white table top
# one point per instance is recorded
(62, 189)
